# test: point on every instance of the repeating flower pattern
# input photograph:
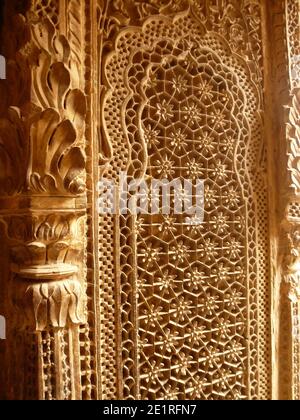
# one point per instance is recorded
(191, 278)
(232, 197)
(195, 279)
(220, 171)
(206, 89)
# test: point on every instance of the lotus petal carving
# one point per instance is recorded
(55, 303)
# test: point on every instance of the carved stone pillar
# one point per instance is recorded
(43, 209)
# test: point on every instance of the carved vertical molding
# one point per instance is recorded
(43, 207)
(288, 95)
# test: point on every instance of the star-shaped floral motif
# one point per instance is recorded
(206, 142)
(150, 255)
(179, 84)
(196, 388)
(224, 328)
(222, 378)
(164, 110)
(181, 309)
(194, 224)
(220, 171)
(221, 273)
(194, 169)
(196, 333)
(220, 223)
(153, 315)
(183, 364)
(205, 89)
(195, 278)
(165, 167)
(233, 299)
(227, 143)
(218, 118)
(210, 304)
(210, 197)
(153, 372)
(211, 357)
(232, 197)
(151, 135)
(234, 249)
(168, 341)
(192, 113)
(165, 281)
(178, 139)
(168, 225)
(235, 351)
(208, 249)
(179, 252)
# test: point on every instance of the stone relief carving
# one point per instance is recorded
(293, 139)
(160, 75)
(43, 184)
(185, 311)
(287, 77)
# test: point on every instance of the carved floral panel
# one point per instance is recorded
(182, 104)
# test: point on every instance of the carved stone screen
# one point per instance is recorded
(182, 103)
(149, 306)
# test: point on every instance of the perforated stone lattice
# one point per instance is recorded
(191, 297)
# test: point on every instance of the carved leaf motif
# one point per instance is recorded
(44, 239)
(75, 37)
(75, 106)
(58, 251)
(52, 229)
(54, 304)
(53, 123)
(56, 165)
(45, 38)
